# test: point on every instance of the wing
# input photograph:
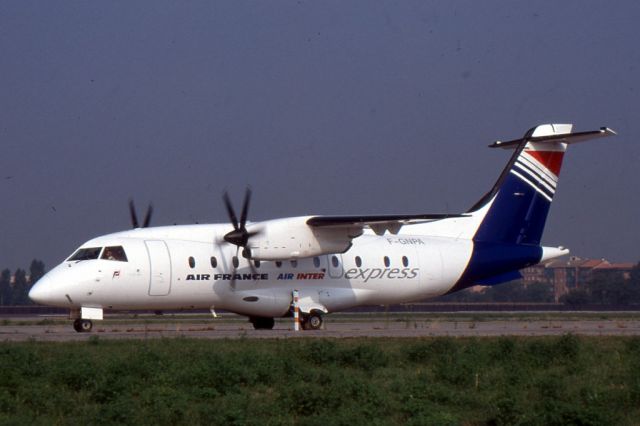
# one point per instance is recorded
(307, 236)
(379, 223)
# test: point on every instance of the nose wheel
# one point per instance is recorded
(82, 325)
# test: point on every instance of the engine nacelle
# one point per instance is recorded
(292, 238)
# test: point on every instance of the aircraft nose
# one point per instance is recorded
(41, 291)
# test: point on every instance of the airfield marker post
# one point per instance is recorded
(296, 311)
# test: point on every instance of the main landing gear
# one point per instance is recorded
(312, 321)
(82, 325)
(262, 323)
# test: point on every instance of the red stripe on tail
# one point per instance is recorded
(552, 160)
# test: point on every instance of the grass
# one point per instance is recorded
(405, 317)
(443, 381)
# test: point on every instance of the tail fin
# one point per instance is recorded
(508, 221)
(516, 208)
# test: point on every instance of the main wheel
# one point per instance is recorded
(262, 323)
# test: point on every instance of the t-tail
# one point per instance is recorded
(510, 218)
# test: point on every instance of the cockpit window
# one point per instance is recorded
(114, 253)
(85, 254)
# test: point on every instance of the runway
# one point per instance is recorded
(336, 326)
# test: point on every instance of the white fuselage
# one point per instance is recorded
(188, 267)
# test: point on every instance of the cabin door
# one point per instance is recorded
(159, 268)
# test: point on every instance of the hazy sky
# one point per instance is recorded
(344, 107)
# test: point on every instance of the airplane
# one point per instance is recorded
(330, 263)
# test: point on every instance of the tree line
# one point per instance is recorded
(17, 292)
(605, 288)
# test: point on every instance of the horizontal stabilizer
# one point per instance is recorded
(549, 253)
(567, 137)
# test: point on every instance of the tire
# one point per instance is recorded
(85, 326)
(76, 325)
(313, 321)
(262, 323)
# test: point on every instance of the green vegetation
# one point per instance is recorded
(514, 291)
(124, 321)
(603, 289)
(443, 381)
(607, 290)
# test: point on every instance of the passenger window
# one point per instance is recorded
(114, 253)
(358, 261)
(387, 262)
(294, 263)
(214, 262)
(334, 261)
(278, 263)
(257, 263)
(405, 261)
(235, 261)
(192, 262)
(316, 262)
(85, 254)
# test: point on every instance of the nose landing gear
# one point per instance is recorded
(82, 325)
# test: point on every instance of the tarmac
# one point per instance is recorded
(57, 329)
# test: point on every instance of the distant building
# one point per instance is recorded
(573, 273)
(12, 279)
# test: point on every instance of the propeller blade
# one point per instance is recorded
(254, 233)
(133, 215)
(147, 217)
(239, 236)
(246, 253)
(254, 271)
(245, 207)
(230, 211)
(232, 284)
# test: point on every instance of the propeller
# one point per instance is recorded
(134, 216)
(239, 236)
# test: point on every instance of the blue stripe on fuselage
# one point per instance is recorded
(489, 260)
